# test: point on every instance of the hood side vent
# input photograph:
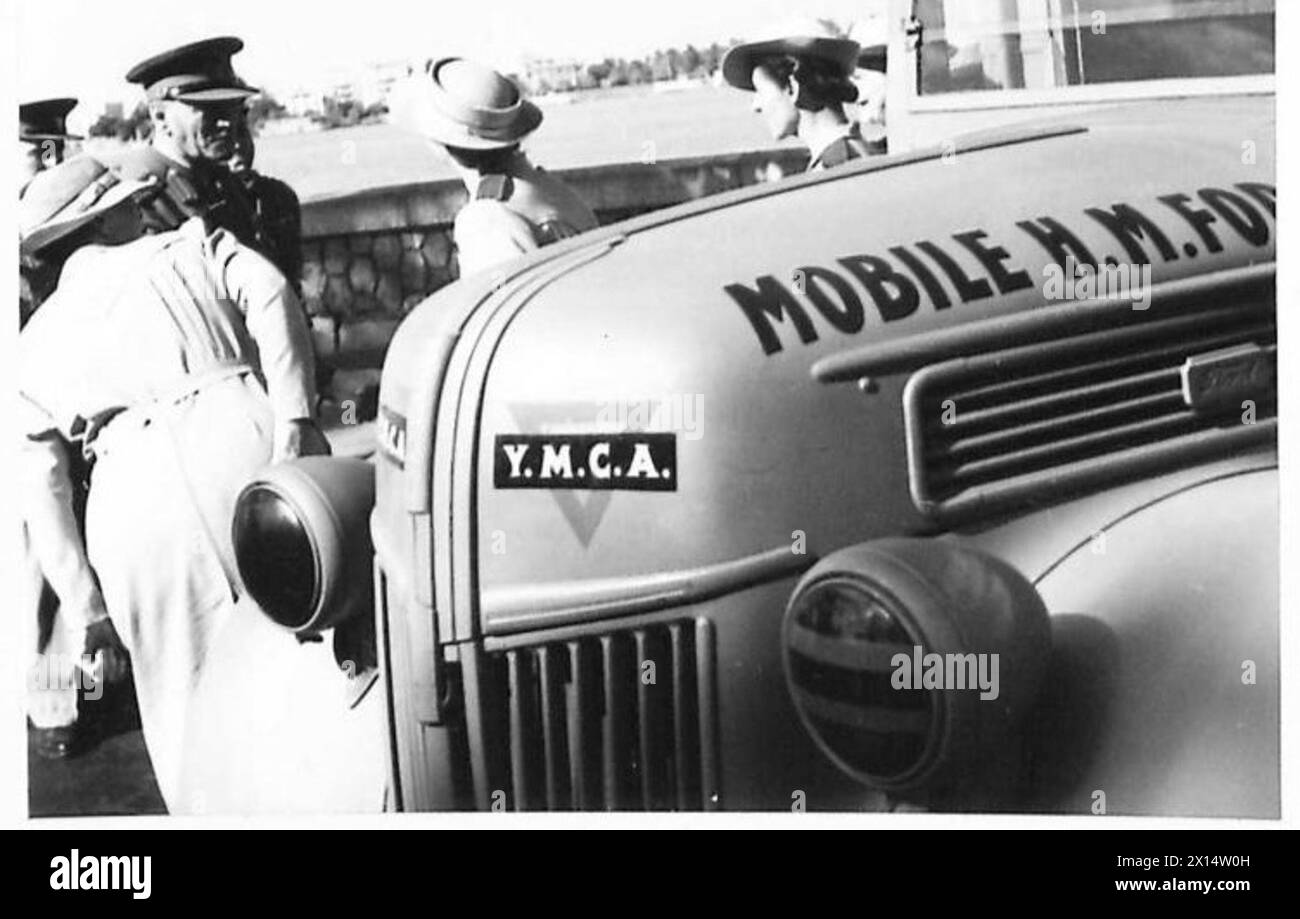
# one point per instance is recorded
(1012, 426)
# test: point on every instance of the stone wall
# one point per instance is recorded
(369, 258)
(358, 286)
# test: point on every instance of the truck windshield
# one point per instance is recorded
(969, 45)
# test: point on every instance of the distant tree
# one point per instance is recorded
(675, 63)
(691, 60)
(660, 64)
(135, 126)
(638, 72)
(341, 113)
(264, 108)
(713, 57)
(663, 64)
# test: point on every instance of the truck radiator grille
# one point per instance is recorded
(1014, 423)
(620, 721)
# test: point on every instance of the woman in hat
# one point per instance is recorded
(801, 80)
(181, 362)
(479, 119)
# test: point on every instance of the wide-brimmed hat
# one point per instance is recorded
(198, 72)
(66, 197)
(460, 103)
(802, 38)
(45, 119)
(873, 37)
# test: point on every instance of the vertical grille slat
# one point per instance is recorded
(523, 723)
(608, 721)
(619, 723)
(654, 698)
(686, 747)
(552, 664)
(584, 726)
(710, 782)
(645, 722)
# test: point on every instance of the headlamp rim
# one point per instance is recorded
(936, 744)
(275, 490)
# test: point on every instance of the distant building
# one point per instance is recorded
(376, 81)
(303, 102)
(295, 124)
(368, 85)
(543, 75)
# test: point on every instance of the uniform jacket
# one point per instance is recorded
(278, 226)
(843, 149)
(516, 212)
(206, 190)
(126, 325)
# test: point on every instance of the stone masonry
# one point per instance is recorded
(370, 258)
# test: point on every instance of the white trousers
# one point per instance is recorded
(271, 731)
(162, 496)
(54, 649)
(238, 717)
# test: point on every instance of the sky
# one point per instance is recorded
(83, 48)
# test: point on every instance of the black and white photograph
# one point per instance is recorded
(791, 408)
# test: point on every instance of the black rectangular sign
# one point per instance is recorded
(595, 462)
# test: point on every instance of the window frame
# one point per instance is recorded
(1125, 90)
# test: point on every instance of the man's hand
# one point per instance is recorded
(300, 437)
(102, 636)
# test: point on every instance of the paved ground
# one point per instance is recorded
(113, 775)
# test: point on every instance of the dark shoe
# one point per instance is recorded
(56, 743)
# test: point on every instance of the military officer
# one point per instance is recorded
(59, 647)
(182, 362)
(478, 118)
(278, 212)
(196, 106)
(67, 614)
(42, 136)
(42, 139)
(800, 75)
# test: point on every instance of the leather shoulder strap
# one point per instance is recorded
(843, 150)
(495, 188)
(837, 153)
